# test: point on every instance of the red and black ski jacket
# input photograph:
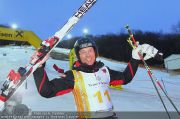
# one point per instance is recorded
(59, 86)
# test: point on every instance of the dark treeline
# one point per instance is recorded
(115, 46)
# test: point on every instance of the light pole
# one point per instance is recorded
(85, 32)
(69, 36)
(14, 26)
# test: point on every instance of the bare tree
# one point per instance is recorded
(176, 28)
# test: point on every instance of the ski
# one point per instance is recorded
(16, 79)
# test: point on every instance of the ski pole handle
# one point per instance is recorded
(131, 35)
(133, 43)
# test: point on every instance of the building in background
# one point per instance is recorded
(172, 62)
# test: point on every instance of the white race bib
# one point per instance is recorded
(93, 89)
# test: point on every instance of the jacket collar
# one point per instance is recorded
(87, 68)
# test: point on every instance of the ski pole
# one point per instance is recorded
(164, 85)
(133, 46)
(153, 78)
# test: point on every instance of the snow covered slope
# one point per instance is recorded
(139, 95)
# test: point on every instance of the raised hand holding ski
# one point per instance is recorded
(16, 79)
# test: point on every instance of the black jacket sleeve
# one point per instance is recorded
(122, 78)
(55, 87)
